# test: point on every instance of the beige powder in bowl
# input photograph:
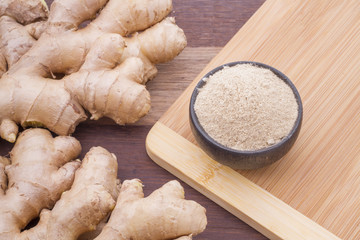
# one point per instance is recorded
(245, 107)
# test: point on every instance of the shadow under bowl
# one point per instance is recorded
(237, 159)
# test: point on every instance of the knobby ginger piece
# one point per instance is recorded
(91, 197)
(41, 178)
(20, 26)
(41, 169)
(62, 71)
(24, 12)
(164, 214)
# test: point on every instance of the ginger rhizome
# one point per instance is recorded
(102, 67)
(21, 23)
(91, 197)
(164, 214)
(72, 198)
(40, 170)
(53, 72)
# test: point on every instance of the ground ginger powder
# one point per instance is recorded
(245, 107)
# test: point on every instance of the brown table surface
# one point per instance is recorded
(208, 25)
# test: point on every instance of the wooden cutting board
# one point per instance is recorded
(314, 191)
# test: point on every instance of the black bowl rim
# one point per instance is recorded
(258, 152)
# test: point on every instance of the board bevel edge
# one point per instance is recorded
(229, 189)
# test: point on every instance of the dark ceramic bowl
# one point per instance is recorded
(237, 159)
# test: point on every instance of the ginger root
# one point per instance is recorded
(24, 11)
(74, 199)
(89, 200)
(162, 215)
(51, 74)
(20, 22)
(40, 170)
(105, 64)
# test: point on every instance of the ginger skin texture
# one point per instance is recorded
(40, 170)
(73, 197)
(91, 197)
(102, 67)
(24, 12)
(164, 214)
(21, 23)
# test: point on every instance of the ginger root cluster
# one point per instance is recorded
(53, 72)
(75, 199)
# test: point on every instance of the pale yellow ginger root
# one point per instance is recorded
(106, 64)
(15, 40)
(73, 200)
(162, 215)
(8, 130)
(132, 16)
(40, 171)
(24, 11)
(91, 197)
(20, 26)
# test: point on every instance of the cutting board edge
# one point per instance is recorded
(299, 224)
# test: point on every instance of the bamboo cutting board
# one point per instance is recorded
(314, 191)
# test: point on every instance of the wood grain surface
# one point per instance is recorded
(316, 44)
(208, 25)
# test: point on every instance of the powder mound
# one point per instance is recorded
(245, 107)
